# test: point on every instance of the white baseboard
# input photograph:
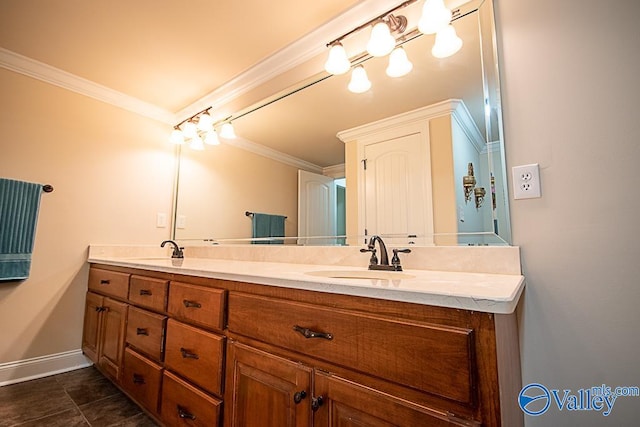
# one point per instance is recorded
(43, 366)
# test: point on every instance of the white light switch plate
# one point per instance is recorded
(161, 220)
(526, 181)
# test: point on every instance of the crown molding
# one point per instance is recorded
(38, 70)
(335, 171)
(272, 154)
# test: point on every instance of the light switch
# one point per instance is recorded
(181, 222)
(161, 220)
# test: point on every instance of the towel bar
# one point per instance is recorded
(47, 188)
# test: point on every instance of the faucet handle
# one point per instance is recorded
(395, 261)
(374, 259)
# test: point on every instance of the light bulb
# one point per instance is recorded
(399, 64)
(212, 138)
(447, 42)
(227, 131)
(176, 136)
(190, 130)
(381, 42)
(337, 62)
(435, 16)
(205, 122)
(359, 81)
(196, 143)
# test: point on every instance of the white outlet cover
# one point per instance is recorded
(526, 181)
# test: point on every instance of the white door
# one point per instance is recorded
(316, 207)
(395, 190)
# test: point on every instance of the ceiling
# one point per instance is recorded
(168, 53)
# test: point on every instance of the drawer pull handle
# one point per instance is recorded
(316, 402)
(100, 309)
(191, 304)
(299, 396)
(105, 281)
(142, 331)
(184, 414)
(186, 354)
(138, 379)
(308, 333)
(145, 292)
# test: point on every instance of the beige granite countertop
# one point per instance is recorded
(486, 292)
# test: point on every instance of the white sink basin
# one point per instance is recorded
(361, 274)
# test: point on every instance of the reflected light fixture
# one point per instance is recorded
(381, 42)
(359, 81)
(190, 130)
(435, 16)
(337, 62)
(196, 143)
(205, 122)
(177, 137)
(196, 128)
(447, 42)
(479, 193)
(399, 64)
(227, 131)
(212, 137)
(468, 183)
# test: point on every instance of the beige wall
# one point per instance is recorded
(112, 171)
(570, 102)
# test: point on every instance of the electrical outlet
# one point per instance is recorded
(526, 181)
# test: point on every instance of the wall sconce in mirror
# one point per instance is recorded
(479, 193)
(200, 129)
(468, 182)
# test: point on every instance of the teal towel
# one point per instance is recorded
(19, 204)
(267, 225)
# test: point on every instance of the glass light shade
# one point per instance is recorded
(337, 62)
(189, 130)
(359, 81)
(447, 42)
(205, 122)
(212, 138)
(227, 131)
(196, 143)
(435, 16)
(381, 42)
(399, 64)
(177, 137)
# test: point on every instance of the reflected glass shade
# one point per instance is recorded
(399, 64)
(337, 62)
(177, 137)
(196, 143)
(189, 130)
(227, 131)
(212, 138)
(359, 81)
(447, 42)
(435, 16)
(381, 42)
(205, 122)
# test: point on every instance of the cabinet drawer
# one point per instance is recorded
(184, 405)
(197, 304)
(109, 282)
(195, 354)
(148, 292)
(141, 379)
(434, 358)
(145, 331)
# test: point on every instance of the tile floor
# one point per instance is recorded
(78, 398)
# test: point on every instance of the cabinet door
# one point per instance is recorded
(91, 331)
(113, 326)
(264, 390)
(343, 403)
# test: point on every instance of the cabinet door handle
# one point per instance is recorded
(100, 309)
(186, 354)
(142, 331)
(145, 292)
(308, 333)
(138, 379)
(191, 304)
(316, 403)
(184, 414)
(299, 396)
(105, 281)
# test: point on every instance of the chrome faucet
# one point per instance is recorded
(384, 256)
(177, 250)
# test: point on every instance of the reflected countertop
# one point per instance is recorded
(492, 293)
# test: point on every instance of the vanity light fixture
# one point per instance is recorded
(359, 81)
(227, 131)
(201, 126)
(468, 183)
(212, 138)
(388, 33)
(479, 193)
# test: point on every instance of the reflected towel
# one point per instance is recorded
(267, 225)
(19, 204)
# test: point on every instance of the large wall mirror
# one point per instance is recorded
(320, 130)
